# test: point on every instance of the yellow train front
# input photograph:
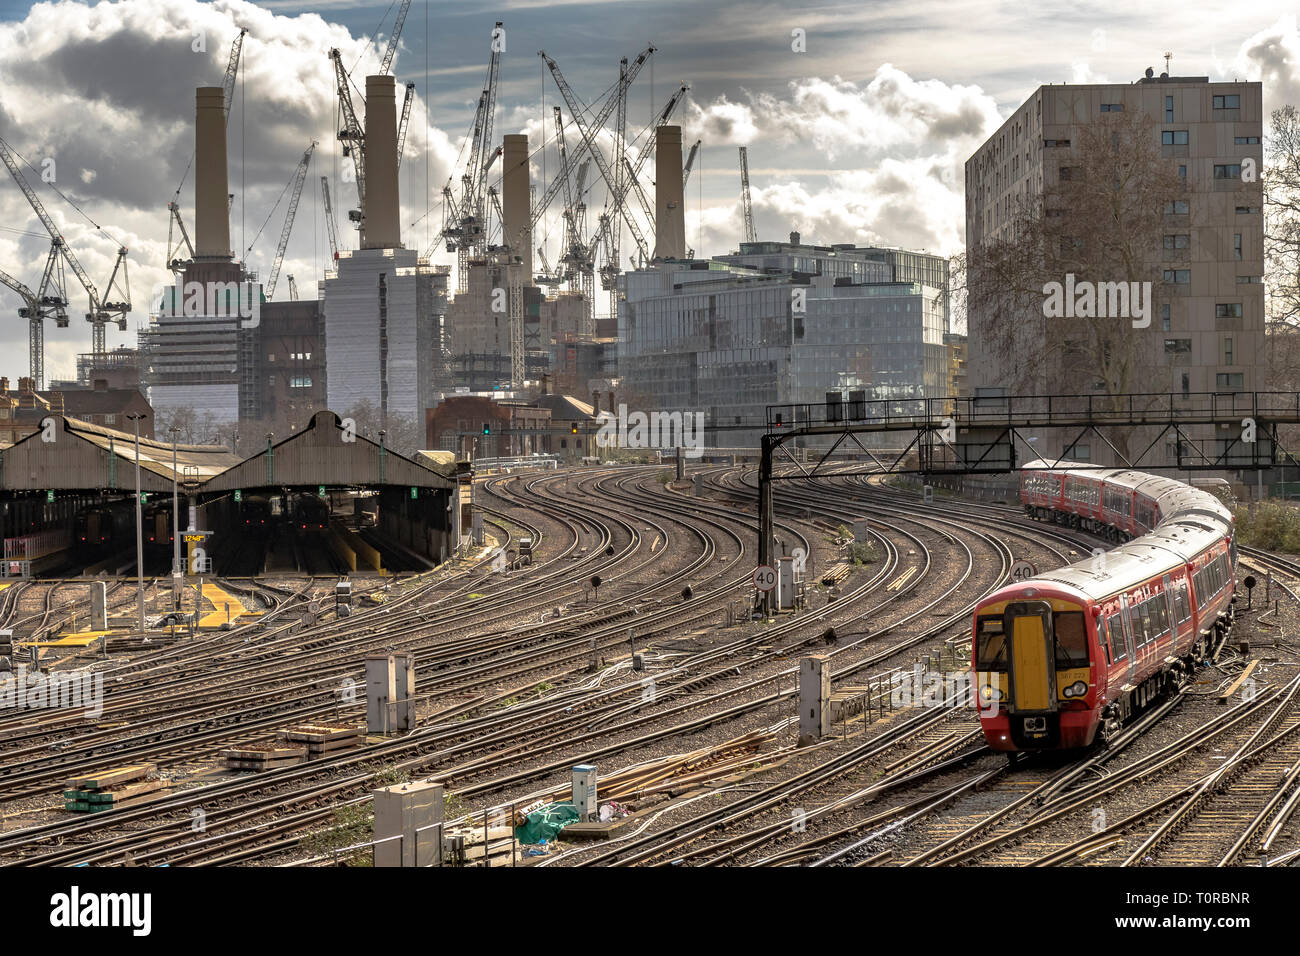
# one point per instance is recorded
(1035, 655)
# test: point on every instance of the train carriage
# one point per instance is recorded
(1075, 652)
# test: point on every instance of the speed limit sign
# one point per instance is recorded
(764, 577)
(1023, 571)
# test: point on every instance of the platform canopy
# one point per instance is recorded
(69, 454)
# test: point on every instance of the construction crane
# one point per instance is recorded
(690, 161)
(626, 75)
(48, 301)
(352, 136)
(392, 39)
(174, 262)
(101, 311)
(330, 226)
(406, 118)
(747, 209)
(293, 289)
(232, 70)
(464, 215)
(300, 176)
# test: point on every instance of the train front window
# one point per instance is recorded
(1071, 639)
(991, 645)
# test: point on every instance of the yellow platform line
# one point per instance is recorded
(221, 601)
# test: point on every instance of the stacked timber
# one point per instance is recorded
(112, 789)
(264, 756)
(835, 574)
(321, 739)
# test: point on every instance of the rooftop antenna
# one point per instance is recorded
(1168, 57)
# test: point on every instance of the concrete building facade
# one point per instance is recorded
(1207, 329)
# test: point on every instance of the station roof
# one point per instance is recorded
(77, 456)
(74, 454)
(325, 453)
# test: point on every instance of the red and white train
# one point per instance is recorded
(1076, 651)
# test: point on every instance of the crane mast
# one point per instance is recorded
(406, 119)
(747, 209)
(300, 176)
(392, 39)
(330, 226)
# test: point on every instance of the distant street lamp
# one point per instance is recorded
(139, 524)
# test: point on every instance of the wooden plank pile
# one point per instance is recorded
(835, 574)
(321, 738)
(264, 756)
(112, 789)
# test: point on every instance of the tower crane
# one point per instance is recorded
(747, 209)
(101, 311)
(465, 215)
(174, 261)
(406, 118)
(352, 136)
(232, 70)
(293, 289)
(330, 225)
(392, 40)
(690, 161)
(300, 176)
(48, 301)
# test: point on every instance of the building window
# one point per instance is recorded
(1178, 207)
(1178, 276)
(1173, 137)
(300, 381)
(1247, 210)
(1169, 109)
(1164, 317)
(1227, 310)
(1182, 172)
(1229, 380)
(110, 419)
(1227, 171)
(1177, 241)
(1248, 280)
(1177, 346)
(1056, 143)
(1187, 387)
(270, 356)
(1245, 140)
(1236, 246)
(1227, 350)
(1112, 107)
(1228, 102)
(270, 380)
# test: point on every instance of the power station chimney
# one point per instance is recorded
(515, 201)
(211, 213)
(670, 214)
(379, 223)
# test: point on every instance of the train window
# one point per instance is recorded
(1160, 615)
(1141, 624)
(992, 646)
(1071, 639)
(1116, 634)
(1180, 599)
(1103, 637)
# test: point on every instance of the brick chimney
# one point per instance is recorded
(4, 386)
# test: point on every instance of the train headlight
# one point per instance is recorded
(1077, 689)
(989, 692)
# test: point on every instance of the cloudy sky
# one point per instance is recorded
(860, 137)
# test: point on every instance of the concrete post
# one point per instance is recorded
(814, 695)
(98, 606)
(584, 791)
(381, 690)
(413, 812)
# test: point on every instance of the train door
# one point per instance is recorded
(1129, 644)
(1172, 609)
(1033, 676)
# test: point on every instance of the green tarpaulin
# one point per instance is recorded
(546, 823)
